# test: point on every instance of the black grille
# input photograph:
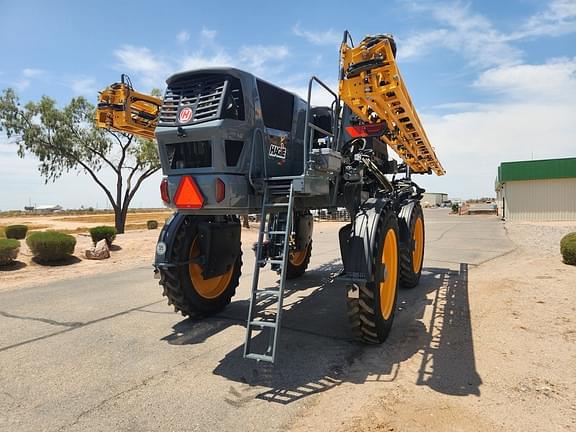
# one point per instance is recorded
(189, 154)
(202, 93)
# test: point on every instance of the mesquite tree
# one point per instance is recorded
(65, 139)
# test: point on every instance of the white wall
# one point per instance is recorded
(540, 200)
(434, 198)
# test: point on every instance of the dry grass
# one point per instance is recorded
(132, 218)
(128, 227)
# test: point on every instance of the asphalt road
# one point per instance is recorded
(106, 353)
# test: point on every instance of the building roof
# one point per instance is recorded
(537, 170)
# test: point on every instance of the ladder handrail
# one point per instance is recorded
(307, 135)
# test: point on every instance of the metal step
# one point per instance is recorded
(259, 357)
(268, 292)
(263, 324)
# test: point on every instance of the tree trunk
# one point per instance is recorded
(245, 221)
(119, 220)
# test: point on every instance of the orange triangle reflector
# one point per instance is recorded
(188, 194)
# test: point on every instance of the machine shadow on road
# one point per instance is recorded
(317, 351)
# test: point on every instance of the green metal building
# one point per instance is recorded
(537, 190)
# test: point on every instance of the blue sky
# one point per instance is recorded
(492, 80)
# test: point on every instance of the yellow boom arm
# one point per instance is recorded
(123, 109)
(371, 85)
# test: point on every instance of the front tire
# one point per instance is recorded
(372, 313)
(184, 286)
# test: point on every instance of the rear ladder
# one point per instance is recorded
(277, 198)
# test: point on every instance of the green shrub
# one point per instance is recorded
(568, 248)
(152, 224)
(50, 245)
(9, 249)
(16, 231)
(107, 233)
(455, 208)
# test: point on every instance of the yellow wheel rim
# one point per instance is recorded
(298, 257)
(388, 282)
(418, 251)
(207, 288)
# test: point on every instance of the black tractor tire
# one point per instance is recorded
(177, 281)
(366, 315)
(412, 246)
(297, 269)
(298, 261)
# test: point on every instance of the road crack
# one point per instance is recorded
(44, 320)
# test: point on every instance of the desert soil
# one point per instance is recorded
(516, 361)
(132, 249)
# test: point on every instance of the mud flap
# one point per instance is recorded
(357, 241)
(164, 245)
(404, 217)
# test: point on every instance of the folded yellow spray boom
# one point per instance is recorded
(123, 109)
(371, 85)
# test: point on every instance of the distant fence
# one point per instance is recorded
(323, 215)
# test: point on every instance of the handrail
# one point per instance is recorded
(309, 124)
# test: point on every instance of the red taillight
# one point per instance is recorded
(376, 129)
(220, 190)
(164, 191)
(188, 195)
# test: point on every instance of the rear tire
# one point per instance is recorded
(298, 259)
(412, 250)
(185, 289)
(298, 262)
(371, 315)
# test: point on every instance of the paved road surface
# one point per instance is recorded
(107, 354)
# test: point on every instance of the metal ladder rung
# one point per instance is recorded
(268, 291)
(263, 357)
(270, 261)
(269, 324)
(276, 232)
(276, 205)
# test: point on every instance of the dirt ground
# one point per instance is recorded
(515, 354)
(134, 248)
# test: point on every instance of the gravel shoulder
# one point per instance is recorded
(496, 350)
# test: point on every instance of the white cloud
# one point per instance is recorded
(557, 19)
(208, 35)
(327, 37)
(200, 61)
(462, 31)
(183, 36)
(255, 57)
(84, 87)
(33, 73)
(533, 117)
(552, 81)
(140, 60)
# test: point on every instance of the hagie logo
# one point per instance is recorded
(278, 148)
(185, 115)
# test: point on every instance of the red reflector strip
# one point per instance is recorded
(220, 190)
(188, 194)
(366, 130)
(164, 194)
